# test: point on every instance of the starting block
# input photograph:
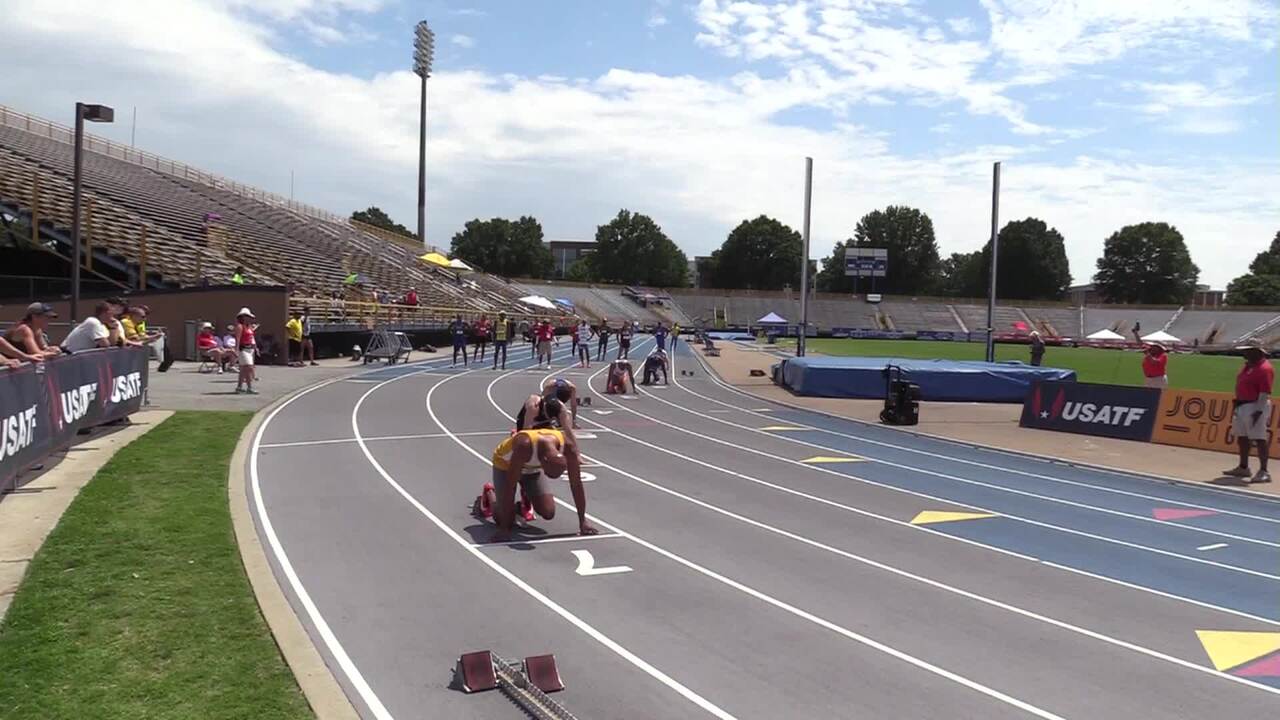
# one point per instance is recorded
(757, 373)
(475, 672)
(543, 673)
(686, 372)
(585, 401)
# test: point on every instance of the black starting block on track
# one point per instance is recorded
(585, 401)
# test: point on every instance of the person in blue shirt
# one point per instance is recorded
(660, 335)
(458, 331)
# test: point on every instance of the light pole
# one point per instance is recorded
(995, 253)
(92, 113)
(804, 260)
(424, 47)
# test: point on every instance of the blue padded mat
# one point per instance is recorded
(939, 380)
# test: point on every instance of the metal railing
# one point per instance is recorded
(329, 311)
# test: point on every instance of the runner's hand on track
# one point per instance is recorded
(586, 528)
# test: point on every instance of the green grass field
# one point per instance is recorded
(137, 605)
(1199, 372)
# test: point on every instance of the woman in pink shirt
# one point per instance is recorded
(1154, 363)
(247, 344)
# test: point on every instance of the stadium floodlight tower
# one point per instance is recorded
(424, 48)
(92, 113)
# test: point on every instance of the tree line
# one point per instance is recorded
(1145, 263)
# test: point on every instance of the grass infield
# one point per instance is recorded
(1199, 372)
(137, 606)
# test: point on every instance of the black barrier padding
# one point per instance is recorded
(1117, 411)
(44, 406)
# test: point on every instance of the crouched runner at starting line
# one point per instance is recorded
(530, 459)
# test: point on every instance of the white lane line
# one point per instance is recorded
(949, 588)
(327, 635)
(1215, 546)
(963, 461)
(821, 622)
(1019, 518)
(550, 604)
(335, 441)
(969, 481)
(954, 538)
(544, 541)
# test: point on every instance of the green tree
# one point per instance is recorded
(631, 249)
(907, 233)
(1148, 264)
(762, 254)
(1253, 289)
(1261, 285)
(962, 274)
(831, 278)
(579, 271)
(376, 217)
(1033, 263)
(504, 247)
(1267, 262)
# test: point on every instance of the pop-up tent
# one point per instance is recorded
(457, 264)
(1105, 334)
(771, 319)
(435, 258)
(538, 301)
(1160, 336)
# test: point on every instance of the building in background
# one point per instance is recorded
(567, 252)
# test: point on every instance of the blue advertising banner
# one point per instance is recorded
(1116, 411)
(935, 335)
(861, 334)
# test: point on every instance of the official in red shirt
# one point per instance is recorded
(1154, 363)
(544, 333)
(1253, 410)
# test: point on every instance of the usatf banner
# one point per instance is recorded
(43, 406)
(1115, 411)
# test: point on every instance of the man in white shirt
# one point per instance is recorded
(92, 333)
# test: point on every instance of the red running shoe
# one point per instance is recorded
(526, 507)
(483, 502)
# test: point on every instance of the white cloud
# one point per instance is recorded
(698, 155)
(463, 41)
(941, 128)
(962, 25)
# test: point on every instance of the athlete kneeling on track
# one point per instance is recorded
(529, 458)
(621, 378)
(534, 406)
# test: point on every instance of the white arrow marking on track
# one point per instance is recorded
(602, 412)
(587, 565)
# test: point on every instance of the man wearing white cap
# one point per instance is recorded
(1252, 418)
(247, 345)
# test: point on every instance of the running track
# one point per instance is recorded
(760, 580)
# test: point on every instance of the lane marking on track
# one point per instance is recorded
(587, 565)
(1059, 528)
(327, 636)
(543, 541)
(869, 642)
(975, 463)
(956, 590)
(1215, 546)
(335, 441)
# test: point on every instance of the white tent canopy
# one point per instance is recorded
(1160, 336)
(538, 301)
(772, 318)
(457, 264)
(1105, 334)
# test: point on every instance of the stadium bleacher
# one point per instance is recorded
(188, 227)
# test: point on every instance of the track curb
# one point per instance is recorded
(319, 686)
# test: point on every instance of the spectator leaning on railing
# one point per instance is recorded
(12, 357)
(29, 333)
(93, 331)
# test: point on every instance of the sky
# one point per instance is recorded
(700, 114)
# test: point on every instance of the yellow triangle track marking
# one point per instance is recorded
(1227, 649)
(928, 517)
(825, 459)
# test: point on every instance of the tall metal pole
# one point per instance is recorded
(804, 260)
(422, 166)
(995, 254)
(75, 213)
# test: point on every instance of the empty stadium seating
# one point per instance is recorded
(187, 226)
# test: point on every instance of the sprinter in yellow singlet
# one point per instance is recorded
(529, 458)
(501, 332)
